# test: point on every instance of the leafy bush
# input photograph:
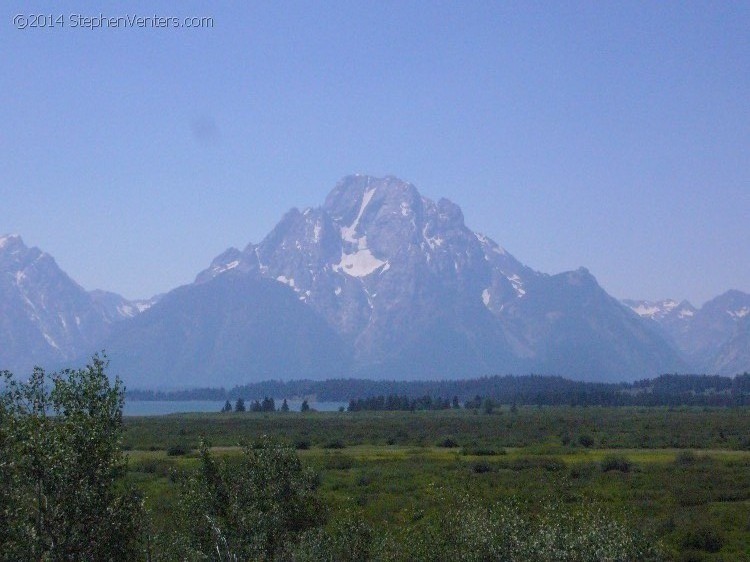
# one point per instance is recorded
(482, 452)
(615, 463)
(348, 538)
(481, 468)
(703, 538)
(685, 458)
(250, 509)
(510, 531)
(339, 462)
(178, 450)
(62, 495)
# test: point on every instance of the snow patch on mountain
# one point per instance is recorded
(8, 239)
(359, 264)
(285, 280)
(348, 233)
(656, 309)
(741, 313)
(517, 283)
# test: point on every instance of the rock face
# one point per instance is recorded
(45, 317)
(379, 281)
(714, 338)
(415, 293)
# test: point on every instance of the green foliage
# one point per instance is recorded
(61, 466)
(249, 509)
(482, 451)
(685, 458)
(464, 529)
(488, 405)
(665, 390)
(616, 428)
(239, 406)
(616, 463)
(346, 539)
(178, 450)
(703, 537)
(448, 443)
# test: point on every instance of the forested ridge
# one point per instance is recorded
(665, 390)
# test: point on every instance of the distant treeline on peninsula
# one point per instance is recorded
(665, 390)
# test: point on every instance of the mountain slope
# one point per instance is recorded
(46, 318)
(379, 281)
(417, 294)
(712, 338)
(225, 331)
(733, 357)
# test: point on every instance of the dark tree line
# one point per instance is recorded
(665, 390)
(265, 405)
(403, 403)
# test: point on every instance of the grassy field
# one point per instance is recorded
(682, 475)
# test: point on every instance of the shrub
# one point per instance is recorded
(339, 462)
(482, 452)
(448, 443)
(685, 458)
(586, 440)
(615, 463)
(703, 538)
(347, 538)
(481, 468)
(248, 509)
(62, 495)
(178, 450)
(511, 531)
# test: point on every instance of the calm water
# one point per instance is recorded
(160, 407)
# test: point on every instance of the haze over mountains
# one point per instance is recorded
(379, 281)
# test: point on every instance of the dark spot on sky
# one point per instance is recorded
(205, 130)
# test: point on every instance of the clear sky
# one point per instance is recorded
(610, 135)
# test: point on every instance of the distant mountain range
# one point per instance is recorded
(378, 282)
(712, 339)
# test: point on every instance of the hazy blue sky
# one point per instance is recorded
(610, 135)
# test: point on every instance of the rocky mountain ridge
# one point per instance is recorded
(378, 281)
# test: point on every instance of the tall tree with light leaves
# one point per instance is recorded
(61, 467)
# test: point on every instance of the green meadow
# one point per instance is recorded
(681, 476)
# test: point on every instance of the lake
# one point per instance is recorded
(162, 407)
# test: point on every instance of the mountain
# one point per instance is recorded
(415, 293)
(713, 339)
(377, 282)
(734, 356)
(46, 318)
(226, 330)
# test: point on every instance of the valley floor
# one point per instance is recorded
(680, 475)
